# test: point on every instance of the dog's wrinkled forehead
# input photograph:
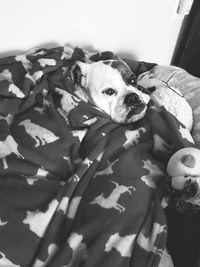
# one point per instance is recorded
(128, 76)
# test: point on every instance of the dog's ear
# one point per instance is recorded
(79, 70)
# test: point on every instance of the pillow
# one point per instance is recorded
(190, 88)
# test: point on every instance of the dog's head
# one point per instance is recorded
(111, 86)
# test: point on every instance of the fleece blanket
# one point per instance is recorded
(76, 188)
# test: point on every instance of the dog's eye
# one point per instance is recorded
(132, 80)
(109, 91)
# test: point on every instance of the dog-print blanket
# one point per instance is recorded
(76, 188)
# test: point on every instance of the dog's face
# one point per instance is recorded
(110, 85)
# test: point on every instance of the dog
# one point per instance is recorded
(111, 86)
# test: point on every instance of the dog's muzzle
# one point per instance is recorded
(133, 104)
(131, 99)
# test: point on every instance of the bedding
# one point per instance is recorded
(77, 189)
(188, 84)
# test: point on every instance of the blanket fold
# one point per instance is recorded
(76, 188)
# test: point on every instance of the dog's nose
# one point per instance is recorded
(131, 99)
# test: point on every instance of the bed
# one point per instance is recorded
(77, 189)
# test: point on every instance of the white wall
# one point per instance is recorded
(141, 28)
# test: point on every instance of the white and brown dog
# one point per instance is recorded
(112, 86)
